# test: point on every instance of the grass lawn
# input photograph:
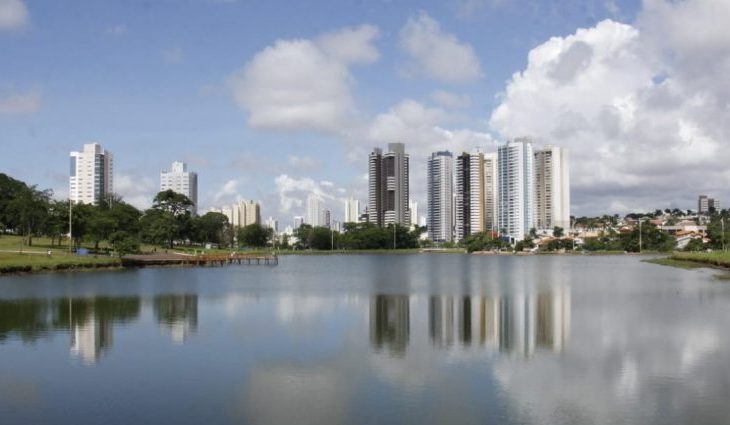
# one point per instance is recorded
(715, 258)
(35, 258)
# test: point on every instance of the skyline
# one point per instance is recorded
(134, 78)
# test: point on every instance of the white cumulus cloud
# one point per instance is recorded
(13, 15)
(304, 84)
(641, 107)
(437, 54)
(20, 103)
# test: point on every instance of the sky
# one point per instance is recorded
(273, 100)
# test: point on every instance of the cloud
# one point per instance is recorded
(469, 8)
(293, 193)
(451, 100)
(13, 15)
(135, 190)
(642, 108)
(304, 84)
(119, 29)
(436, 54)
(20, 103)
(304, 163)
(424, 130)
(173, 55)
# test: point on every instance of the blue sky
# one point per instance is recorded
(212, 82)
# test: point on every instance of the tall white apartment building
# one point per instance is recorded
(388, 186)
(91, 175)
(491, 192)
(515, 171)
(182, 181)
(552, 188)
(440, 191)
(243, 213)
(273, 224)
(315, 211)
(413, 208)
(469, 214)
(352, 210)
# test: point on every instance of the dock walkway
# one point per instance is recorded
(165, 259)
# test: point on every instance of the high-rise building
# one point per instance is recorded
(440, 191)
(298, 221)
(516, 188)
(325, 218)
(91, 174)
(470, 201)
(273, 224)
(413, 209)
(243, 213)
(315, 209)
(388, 186)
(182, 181)
(352, 210)
(491, 192)
(552, 188)
(705, 204)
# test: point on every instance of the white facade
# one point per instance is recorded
(516, 189)
(243, 213)
(91, 175)
(182, 181)
(552, 188)
(440, 191)
(413, 208)
(352, 210)
(315, 211)
(298, 221)
(272, 224)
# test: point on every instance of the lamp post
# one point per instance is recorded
(393, 235)
(722, 225)
(639, 236)
(70, 215)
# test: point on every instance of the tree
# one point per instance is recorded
(210, 227)
(172, 202)
(484, 241)
(695, 245)
(168, 219)
(254, 235)
(10, 188)
(29, 210)
(558, 232)
(124, 242)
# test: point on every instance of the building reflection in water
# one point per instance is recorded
(91, 322)
(514, 323)
(178, 315)
(390, 322)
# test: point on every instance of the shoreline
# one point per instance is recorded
(19, 268)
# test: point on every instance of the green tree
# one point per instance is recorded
(211, 227)
(558, 232)
(254, 235)
(29, 210)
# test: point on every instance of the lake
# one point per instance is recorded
(370, 339)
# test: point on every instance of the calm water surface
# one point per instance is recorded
(442, 339)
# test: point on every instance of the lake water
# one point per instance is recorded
(424, 339)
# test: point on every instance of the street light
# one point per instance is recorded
(639, 236)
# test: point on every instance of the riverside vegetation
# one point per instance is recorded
(114, 228)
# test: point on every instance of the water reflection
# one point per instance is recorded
(90, 321)
(390, 322)
(177, 315)
(517, 323)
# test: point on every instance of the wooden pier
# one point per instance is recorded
(199, 260)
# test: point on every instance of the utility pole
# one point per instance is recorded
(70, 215)
(639, 236)
(393, 235)
(722, 224)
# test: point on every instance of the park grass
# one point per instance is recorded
(717, 259)
(33, 262)
(671, 262)
(15, 257)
